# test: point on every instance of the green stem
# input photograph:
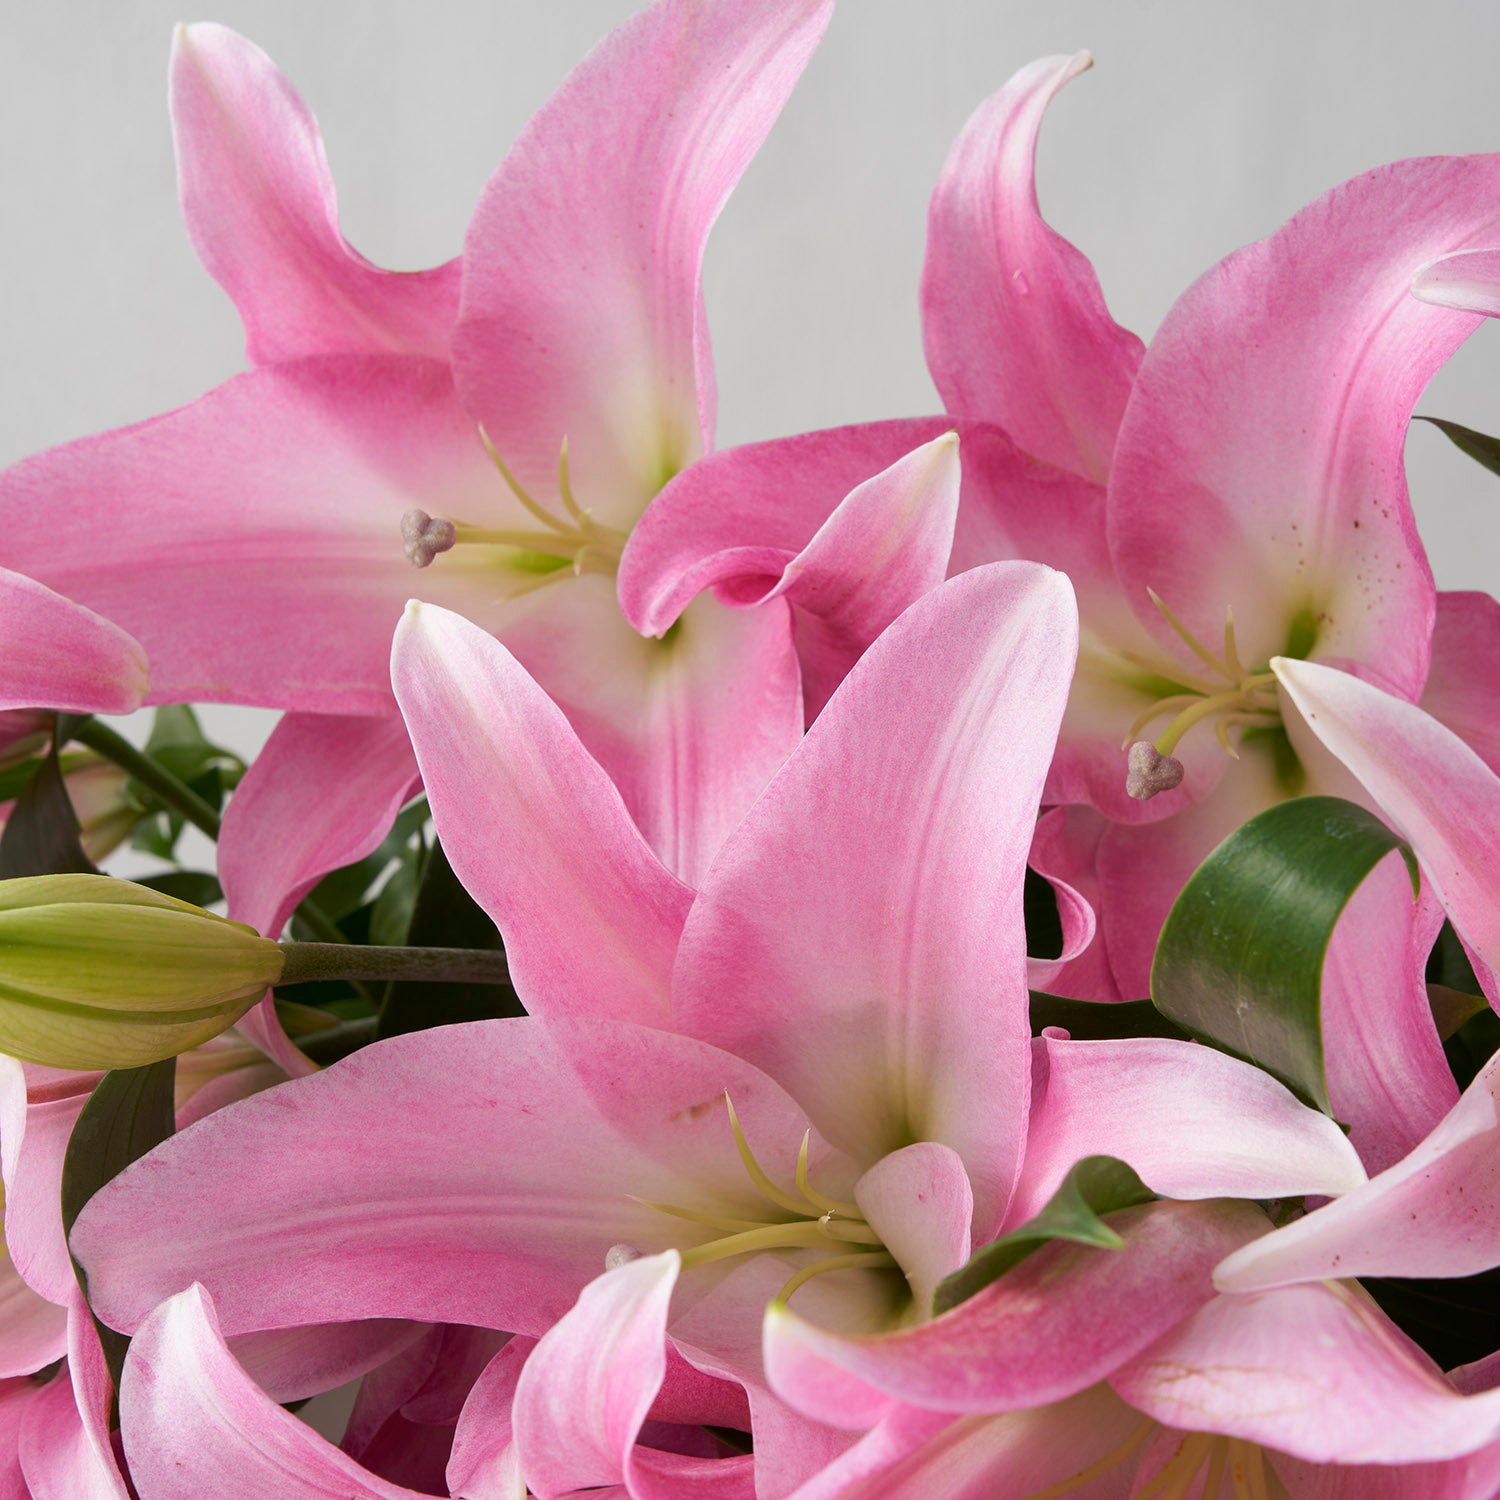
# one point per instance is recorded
(307, 962)
(151, 774)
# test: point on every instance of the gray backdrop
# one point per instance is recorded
(1202, 126)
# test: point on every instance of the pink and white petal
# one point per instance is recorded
(251, 541)
(217, 1072)
(484, 1464)
(567, 1128)
(66, 1448)
(1436, 1212)
(291, 1364)
(1426, 782)
(260, 209)
(742, 514)
(60, 655)
(895, 1007)
(1479, 1375)
(1468, 280)
(1014, 322)
(1476, 1476)
(1193, 1123)
(589, 1383)
(583, 314)
(38, 1109)
(1314, 1371)
(1463, 687)
(33, 1331)
(690, 728)
(1259, 466)
(196, 1424)
(17, 1397)
(914, 1454)
(919, 1202)
(534, 827)
(321, 794)
(1064, 852)
(1061, 1320)
(1388, 1079)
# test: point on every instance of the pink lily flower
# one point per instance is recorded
(1271, 1367)
(841, 1100)
(533, 424)
(1233, 493)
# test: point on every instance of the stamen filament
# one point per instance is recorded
(503, 537)
(1209, 660)
(1216, 1470)
(713, 1221)
(1172, 1482)
(1173, 673)
(876, 1259)
(565, 487)
(1116, 1456)
(1157, 709)
(753, 1167)
(1205, 708)
(514, 485)
(806, 1235)
(1222, 728)
(1231, 656)
(813, 1196)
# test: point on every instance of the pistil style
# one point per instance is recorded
(557, 549)
(1249, 699)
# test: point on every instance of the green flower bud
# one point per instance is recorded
(103, 973)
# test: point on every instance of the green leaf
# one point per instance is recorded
(1096, 1185)
(1240, 959)
(41, 833)
(14, 779)
(346, 889)
(1098, 1020)
(130, 1111)
(1478, 445)
(390, 917)
(445, 915)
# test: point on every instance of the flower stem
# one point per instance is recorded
(151, 774)
(307, 962)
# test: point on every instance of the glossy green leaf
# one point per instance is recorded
(1479, 446)
(1240, 959)
(1098, 1020)
(1095, 1186)
(41, 833)
(129, 1112)
(445, 915)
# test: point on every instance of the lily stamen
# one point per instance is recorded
(1243, 1460)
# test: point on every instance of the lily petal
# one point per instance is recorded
(33, 1331)
(291, 1364)
(321, 794)
(1431, 786)
(1050, 1327)
(534, 828)
(1013, 320)
(1435, 1213)
(919, 1202)
(261, 212)
(583, 312)
(61, 655)
(1468, 280)
(1315, 1371)
(484, 1464)
(897, 831)
(1259, 466)
(1463, 687)
(196, 1424)
(570, 1131)
(1191, 1121)
(251, 541)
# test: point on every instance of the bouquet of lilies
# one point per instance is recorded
(948, 957)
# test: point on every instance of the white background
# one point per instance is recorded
(1203, 126)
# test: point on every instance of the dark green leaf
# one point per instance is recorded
(41, 833)
(445, 916)
(1097, 1021)
(1044, 934)
(1449, 965)
(344, 890)
(1240, 959)
(1472, 1046)
(390, 918)
(1096, 1185)
(14, 779)
(1478, 445)
(129, 1112)
(195, 886)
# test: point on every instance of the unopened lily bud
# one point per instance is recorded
(102, 973)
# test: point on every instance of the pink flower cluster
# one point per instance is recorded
(747, 754)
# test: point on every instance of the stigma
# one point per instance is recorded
(1231, 696)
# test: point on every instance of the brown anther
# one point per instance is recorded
(425, 536)
(1150, 772)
